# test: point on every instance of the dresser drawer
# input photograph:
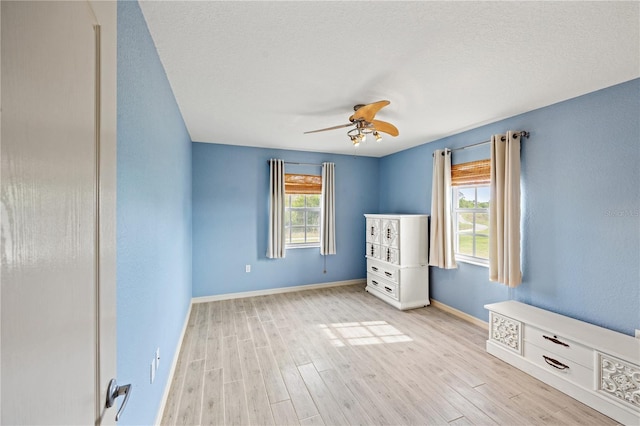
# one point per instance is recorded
(373, 251)
(390, 233)
(383, 286)
(559, 345)
(559, 365)
(373, 231)
(390, 255)
(385, 271)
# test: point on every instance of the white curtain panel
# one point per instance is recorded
(275, 247)
(441, 253)
(328, 210)
(504, 210)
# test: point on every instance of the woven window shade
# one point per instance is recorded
(472, 173)
(302, 184)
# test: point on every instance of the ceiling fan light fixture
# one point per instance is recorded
(365, 129)
(364, 123)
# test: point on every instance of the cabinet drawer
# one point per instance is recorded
(373, 250)
(383, 286)
(384, 271)
(373, 231)
(559, 365)
(390, 255)
(559, 345)
(390, 233)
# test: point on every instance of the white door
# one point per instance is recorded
(57, 149)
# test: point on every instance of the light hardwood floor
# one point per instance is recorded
(340, 356)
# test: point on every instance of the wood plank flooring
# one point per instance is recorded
(340, 356)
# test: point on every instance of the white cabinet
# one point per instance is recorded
(596, 366)
(396, 251)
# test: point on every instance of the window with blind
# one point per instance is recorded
(302, 210)
(471, 193)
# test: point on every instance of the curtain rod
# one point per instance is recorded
(523, 133)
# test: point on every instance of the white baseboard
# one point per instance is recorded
(463, 315)
(204, 299)
(174, 363)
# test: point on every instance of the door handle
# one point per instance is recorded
(114, 391)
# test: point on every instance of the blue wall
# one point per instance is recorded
(581, 209)
(230, 220)
(581, 214)
(154, 217)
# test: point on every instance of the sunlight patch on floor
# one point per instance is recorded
(363, 333)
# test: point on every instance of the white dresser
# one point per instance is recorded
(594, 365)
(396, 251)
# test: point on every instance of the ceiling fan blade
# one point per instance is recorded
(330, 128)
(383, 126)
(367, 112)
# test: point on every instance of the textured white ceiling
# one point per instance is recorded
(261, 73)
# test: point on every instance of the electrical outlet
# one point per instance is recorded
(157, 358)
(637, 334)
(247, 268)
(153, 370)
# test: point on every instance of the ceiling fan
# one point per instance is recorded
(363, 120)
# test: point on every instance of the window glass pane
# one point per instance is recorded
(482, 223)
(465, 222)
(465, 244)
(483, 197)
(297, 200)
(482, 246)
(287, 218)
(313, 200)
(297, 234)
(313, 234)
(466, 198)
(313, 218)
(287, 201)
(297, 217)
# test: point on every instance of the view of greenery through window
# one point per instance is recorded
(471, 215)
(302, 219)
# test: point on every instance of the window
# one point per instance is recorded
(470, 196)
(471, 223)
(302, 220)
(302, 210)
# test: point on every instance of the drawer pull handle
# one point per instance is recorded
(555, 340)
(374, 269)
(555, 363)
(390, 290)
(374, 282)
(389, 274)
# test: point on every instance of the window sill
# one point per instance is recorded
(302, 246)
(472, 261)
